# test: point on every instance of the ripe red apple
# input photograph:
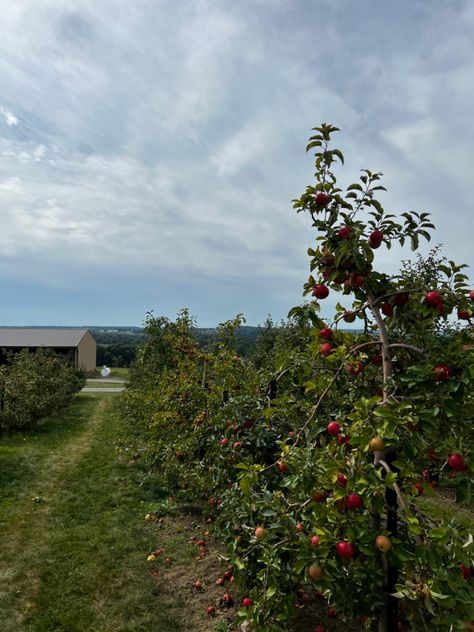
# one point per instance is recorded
(471, 295)
(212, 501)
(433, 298)
(456, 462)
(315, 540)
(299, 527)
(387, 309)
(211, 610)
(442, 372)
(420, 490)
(341, 480)
(375, 238)
(319, 628)
(224, 442)
(349, 317)
(246, 602)
(401, 298)
(355, 369)
(332, 614)
(320, 291)
(322, 199)
(236, 445)
(318, 497)
(333, 428)
(198, 584)
(326, 333)
(377, 359)
(326, 349)
(343, 439)
(463, 314)
(344, 232)
(353, 501)
(356, 280)
(466, 571)
(282, 467)
(346, 549)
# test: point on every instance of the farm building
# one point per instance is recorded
(78, 344)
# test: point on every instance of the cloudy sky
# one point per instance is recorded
(150, 150)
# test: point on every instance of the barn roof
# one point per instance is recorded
(40, 337)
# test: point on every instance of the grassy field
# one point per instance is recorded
(74, 542)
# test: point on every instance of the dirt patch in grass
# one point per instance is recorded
(182, 559)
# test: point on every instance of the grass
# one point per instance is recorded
(74, 560)
(104, 385)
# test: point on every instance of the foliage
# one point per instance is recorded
(35, 385)
(255, 439)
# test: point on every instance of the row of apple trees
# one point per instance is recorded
(314, 457)
(35, 385)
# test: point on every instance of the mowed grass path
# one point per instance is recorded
(73, 541)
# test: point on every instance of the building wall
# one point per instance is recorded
(86, 353)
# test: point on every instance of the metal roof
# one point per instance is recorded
(40, 337)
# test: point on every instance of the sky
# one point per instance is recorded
(150, 150)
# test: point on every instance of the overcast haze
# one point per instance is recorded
(149, 150)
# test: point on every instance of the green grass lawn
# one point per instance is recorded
(73, 539)
(104, 385)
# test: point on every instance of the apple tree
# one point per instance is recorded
(385, 418)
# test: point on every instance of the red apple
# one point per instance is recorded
(353, 501)
(320, 291)
(456, 462)
(224, 442)
(318, 497)
(211, 610)
(344, 232)
(326, 333)
(420, 490)
(246, 602)
(471, 295)
(463, 314)
(349, 317)
(402, 298)
(375, 238)
(315, 540)
(346, 549)
(319, 628)
(357, 280)
(333, 428)
(326, 349)
(282, 467)
(355, 369)
(377, 359)
(433, 298)
(343, 439)
(466, 571)
(331, 613)
(386, 309)
(442, 372)
(299, 527)
(322, 199)
(341, 480)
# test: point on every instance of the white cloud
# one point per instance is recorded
(10, 119)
